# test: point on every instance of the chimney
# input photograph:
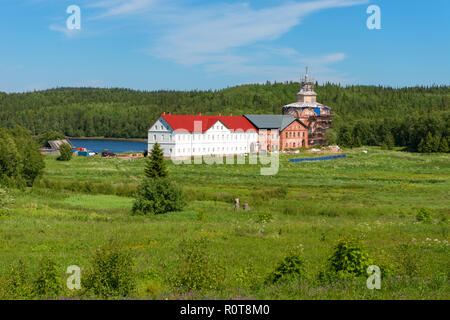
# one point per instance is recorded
(219, 114)
(169, 113)
(164, 113)
(199, 113)
(231, 114)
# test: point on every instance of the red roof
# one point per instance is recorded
(186, 122)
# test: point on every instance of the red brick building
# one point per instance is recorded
(278, 132)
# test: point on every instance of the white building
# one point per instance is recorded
(197, 135)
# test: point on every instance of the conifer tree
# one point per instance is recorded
(443, 147)
(426, 145)
(156, 167)
(436, 142)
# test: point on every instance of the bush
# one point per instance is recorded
(349, 258)
(111, 273)
(424, 215)
(157, 196)
(19, 283)
(197, 270)
(265, 217)
(66, 152)
(48, 281)
(20, 159)
(291, 267)
(5, 200)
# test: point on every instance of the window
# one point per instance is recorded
(287, 134)
(154, 137)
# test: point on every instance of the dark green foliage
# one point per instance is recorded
(196, 268)
(368, 112)
(424, 215)
(349, 258)
(44, 137)
(48, 282)
(432, 143)
(66, 152)
(157, 196)
(443, 146)
(112, 273)
(291, 267)
(20, 159)
(156, 166)
(389, 141)
(347, 140)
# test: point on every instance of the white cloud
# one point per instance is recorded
(122, 7)
(203, 37)
(64, 30)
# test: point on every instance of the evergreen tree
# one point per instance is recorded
(426, 145)
(443, 147)
(156, 166)
(436, 142)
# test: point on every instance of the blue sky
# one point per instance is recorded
(198, 44)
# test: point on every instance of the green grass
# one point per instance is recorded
(79, 205)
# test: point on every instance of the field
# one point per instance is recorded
(78, 206)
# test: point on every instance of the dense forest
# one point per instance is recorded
(367, 115)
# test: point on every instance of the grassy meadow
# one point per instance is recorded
(78, 206)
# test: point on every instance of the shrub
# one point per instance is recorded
(19, 283)
(265, 217)
(48, 281)
(197, 270)
(291, 267)
(111, 273)
(157, 196)
(5, 200)
(66, 152)
(349, 258)
(424, 215)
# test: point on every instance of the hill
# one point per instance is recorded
(368, 112)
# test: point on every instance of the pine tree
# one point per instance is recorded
(436, 142)
(426, 145)
(156, 167)
(443, 147)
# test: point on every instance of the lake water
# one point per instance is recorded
(115, 146)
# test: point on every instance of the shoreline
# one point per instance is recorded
(99, 138)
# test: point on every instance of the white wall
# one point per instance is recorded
(217, 140)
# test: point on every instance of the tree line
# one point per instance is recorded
(370, 115)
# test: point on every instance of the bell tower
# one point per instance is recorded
(306, 93)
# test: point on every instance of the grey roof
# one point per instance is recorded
(270, 121)
(56, 144)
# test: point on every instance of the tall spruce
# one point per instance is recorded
(156, 167)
